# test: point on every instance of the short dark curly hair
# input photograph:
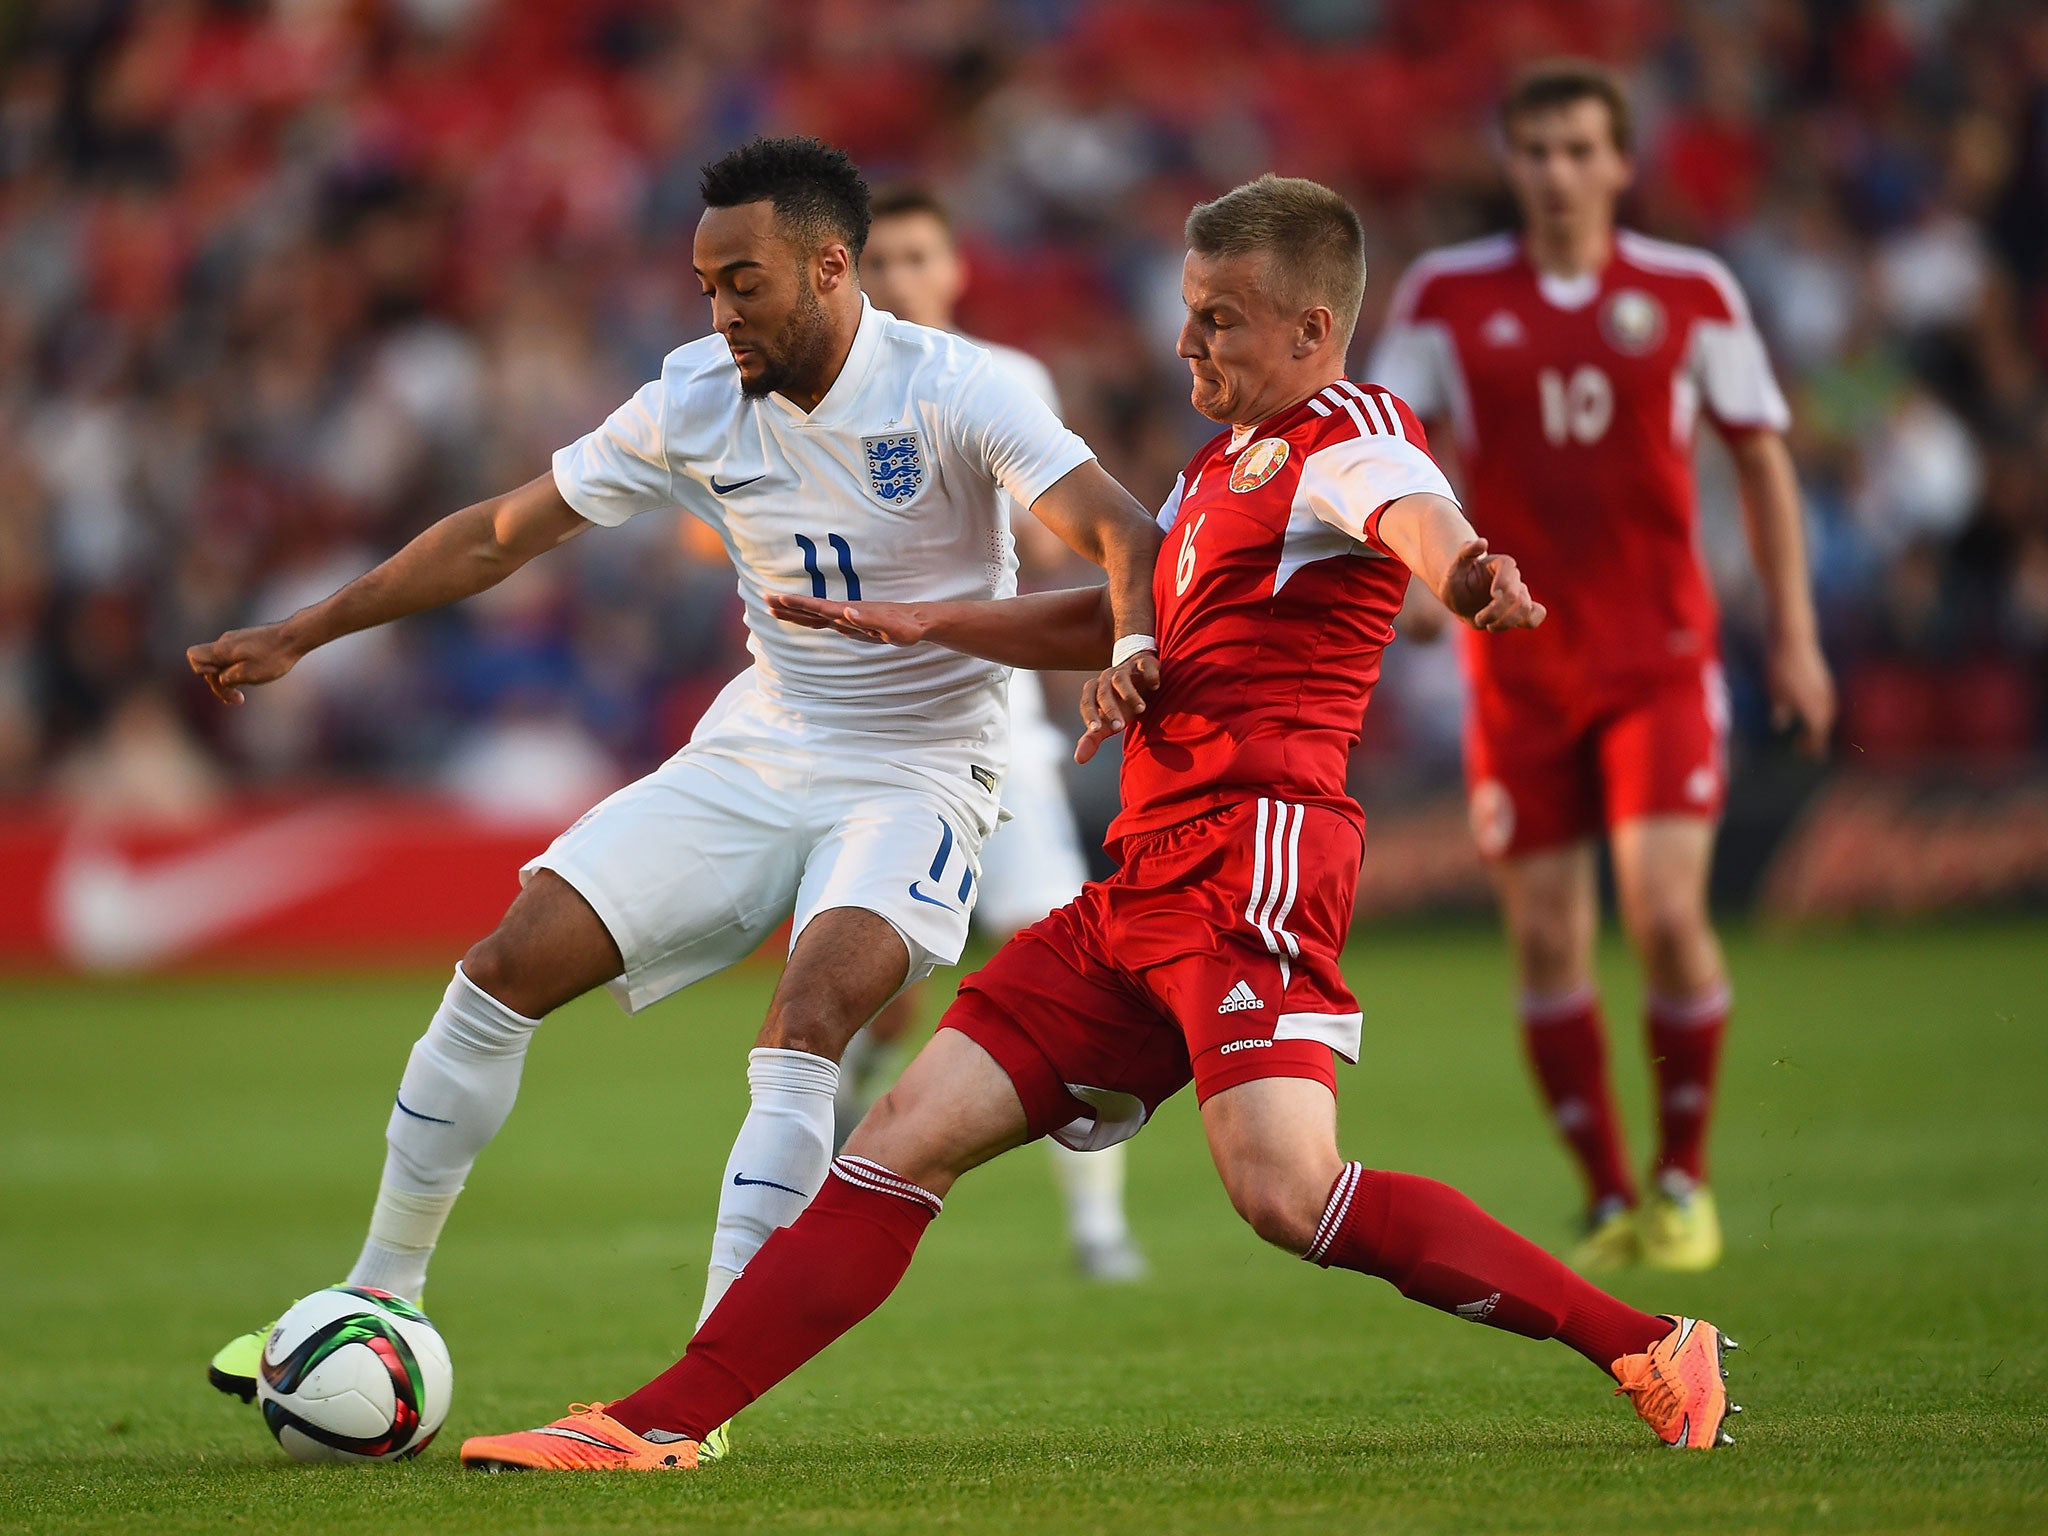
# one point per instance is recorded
(816, 190)
(907, 198)
(1554, 83)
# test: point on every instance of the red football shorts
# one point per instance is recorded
(1544, 768)
(1211, 956)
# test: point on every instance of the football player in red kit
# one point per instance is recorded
(1211, 955)
(1573, 361)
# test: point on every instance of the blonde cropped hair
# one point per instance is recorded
(1312, 238)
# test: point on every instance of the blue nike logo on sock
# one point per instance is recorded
(742, 1179)
(430, 1119)
(726, 490)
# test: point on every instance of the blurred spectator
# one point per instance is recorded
(144, 766)
(281, 282)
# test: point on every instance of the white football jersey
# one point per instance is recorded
(889, 490)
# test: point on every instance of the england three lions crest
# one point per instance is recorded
(895, 466)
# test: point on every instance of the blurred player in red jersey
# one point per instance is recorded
(1573, 362)
(1212, 954)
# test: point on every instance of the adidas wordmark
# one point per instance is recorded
(1241, 999)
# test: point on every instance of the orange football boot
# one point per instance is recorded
(1679, 1387)
(588, 1440)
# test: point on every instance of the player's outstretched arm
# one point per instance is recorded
(1796, 673)
(1435, 541)
(1066, 631)
(1069, 630)
(459, 556)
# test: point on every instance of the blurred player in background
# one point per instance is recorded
(1213, 954)
(1572, 363)
(913, 269)
(839, 788)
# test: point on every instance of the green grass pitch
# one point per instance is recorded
(179, 1159)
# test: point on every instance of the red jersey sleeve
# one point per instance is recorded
(1729, 365)
(1348, 483)
(1415, 356)
(1417, 353)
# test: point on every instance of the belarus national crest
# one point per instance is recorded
(1633, 322)
(1258, 463)
(895, 466)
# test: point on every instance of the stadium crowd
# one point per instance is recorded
(280, 283)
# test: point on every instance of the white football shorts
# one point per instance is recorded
(759, 820)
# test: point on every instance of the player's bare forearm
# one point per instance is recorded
(1802, 689)
(1777, 540)
(1068, 630)
(1436, 542)
(465, 553)
(462, 554)
(1101, 521)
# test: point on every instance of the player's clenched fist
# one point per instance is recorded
(1114, 699)
(1487, 592)
(242, 658)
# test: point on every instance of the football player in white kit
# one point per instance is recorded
(840, 787)
(913, 268)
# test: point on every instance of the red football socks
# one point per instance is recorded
(1685, 1053)
(1567, 1046)
(811, 1282)
(1436, 1247)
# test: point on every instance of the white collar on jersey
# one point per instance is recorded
(845, 390)
(1241, 434)
(1574, 292)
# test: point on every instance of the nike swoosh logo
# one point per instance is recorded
(742, 1180)
(576, 1434)
(917, 895)
(727, 490)
(110, 912)
(430, 1119)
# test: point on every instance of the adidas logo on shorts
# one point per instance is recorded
(1241, 999)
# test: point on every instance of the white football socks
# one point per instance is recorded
(457, 1090)
(1093, 1186)
(778, 1162)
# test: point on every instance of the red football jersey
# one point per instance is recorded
(1574, 403)
(1275, 599)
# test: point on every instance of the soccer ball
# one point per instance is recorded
(354, 1374)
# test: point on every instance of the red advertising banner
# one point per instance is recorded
(395, 880)
(338, 880)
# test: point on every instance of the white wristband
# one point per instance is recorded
(1129, 646)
